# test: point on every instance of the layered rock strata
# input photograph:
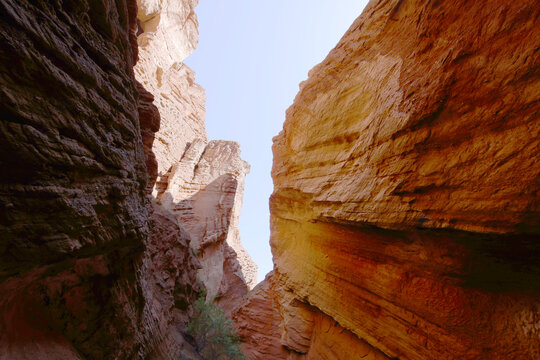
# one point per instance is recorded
(88, 269)
(200, 182)
(258, 321)
(167, 34)
(204, 192)
(405, 208)
(72, 164)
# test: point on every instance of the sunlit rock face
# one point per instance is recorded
(258, 321)
(204, 191)
(405, 205)
(167, 34)
(200, 182)
(88, 268)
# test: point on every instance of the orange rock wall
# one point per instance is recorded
(405, 202)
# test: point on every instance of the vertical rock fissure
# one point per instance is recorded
(200, 181)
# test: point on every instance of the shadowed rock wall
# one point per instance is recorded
(88, 269)
(198, 181)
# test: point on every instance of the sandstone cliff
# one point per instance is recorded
(405, 216)
(204, 191)
(167, 34)
(200, 182)
(90, 267)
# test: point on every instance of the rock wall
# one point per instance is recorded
(89, 268)
(204, 191)
(167, 34)
(200, 182)
(258, 321)
(72, 164)
(405, 210)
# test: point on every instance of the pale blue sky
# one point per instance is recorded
(252, 55)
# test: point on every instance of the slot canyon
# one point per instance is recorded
(404, 219)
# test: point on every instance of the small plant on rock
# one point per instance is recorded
(214, 336)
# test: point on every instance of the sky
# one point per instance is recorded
(252, 55)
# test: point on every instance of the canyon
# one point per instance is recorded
(404, 218)
(200, 182)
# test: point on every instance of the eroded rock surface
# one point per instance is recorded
(167, 35)
(405, 207)
(204, 191)
(258, 321)
(72, 164)
(274, 324)
(200, 182)
(168, 278)
(88, 269)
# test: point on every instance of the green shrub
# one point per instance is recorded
(214, 335)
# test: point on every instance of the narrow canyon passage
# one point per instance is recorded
(404, 218)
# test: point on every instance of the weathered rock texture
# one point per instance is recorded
(72, 164)
(405, 207)
(274, 324)
(258, 321)
(88, 269)
(201, 183)
(168, 278)
(204, 191)
(167, 35)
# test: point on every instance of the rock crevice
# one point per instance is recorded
(200, 182)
